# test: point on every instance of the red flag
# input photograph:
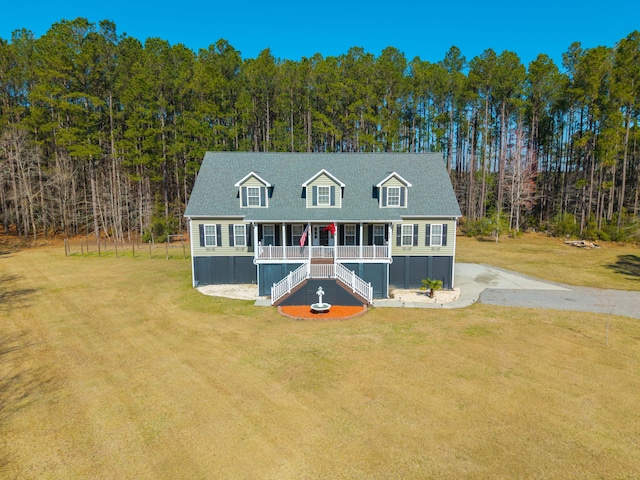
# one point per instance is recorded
(331, 227)
(303, 238)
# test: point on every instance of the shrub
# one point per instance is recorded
(431, 285)
(564, 224)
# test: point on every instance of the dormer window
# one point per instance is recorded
(393, 191)
(253, 191)
(253, 197)
(324, 195)
(323, 190)
(393, 196)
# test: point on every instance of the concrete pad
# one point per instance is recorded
(485, 276)
(263, 302)
(472, 279)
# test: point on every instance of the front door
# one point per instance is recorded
(321, 237)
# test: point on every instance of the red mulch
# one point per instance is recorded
(336, 311)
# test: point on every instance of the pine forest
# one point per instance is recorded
(102, 134)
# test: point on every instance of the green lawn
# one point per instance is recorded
(117, 368)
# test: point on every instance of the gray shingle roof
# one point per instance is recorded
(214, 193)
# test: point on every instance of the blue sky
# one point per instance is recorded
(293, 30)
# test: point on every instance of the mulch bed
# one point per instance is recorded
(336, 312)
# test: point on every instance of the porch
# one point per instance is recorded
(360, 243)
(341, 253)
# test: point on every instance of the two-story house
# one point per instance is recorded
(372, 220)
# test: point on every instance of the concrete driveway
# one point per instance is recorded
(495, 286)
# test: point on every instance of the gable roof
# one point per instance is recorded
(394, 175)
(215, 194)
(254, 175)
(323, 172)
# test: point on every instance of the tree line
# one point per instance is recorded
(103, 134)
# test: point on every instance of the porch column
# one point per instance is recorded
(284, 241)
(361, 239)
(309, 239)
(256, 248)
(389, 240)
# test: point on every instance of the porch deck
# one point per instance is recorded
(342, 253)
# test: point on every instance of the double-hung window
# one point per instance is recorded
(296, 234)
(436, 235)
(324, 195)
(393, 196)
(210, 239)
(253, 197)
(239, 235)
(378, 234)
(268, 234)
(349, 234)
(407, 235)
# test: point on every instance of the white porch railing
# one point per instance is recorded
(322, 270)
(356, 284)
(270, 252)
(341, 252)
(284, 286)
(306, 270)
(323, 252)
(368, 252)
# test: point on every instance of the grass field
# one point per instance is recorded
(117, 368)
(611, 266)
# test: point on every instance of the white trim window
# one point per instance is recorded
(378, 234)
(210, 238)
(268, 234)
(393, 196)
(350, 235)
(296, 234)
(407, 235)
(324, 195)
(253, 197)
(436, 235)
(239, 235)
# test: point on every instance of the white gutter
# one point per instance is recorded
(453, 258)
(193, 270)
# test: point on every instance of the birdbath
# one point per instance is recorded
(320, 307)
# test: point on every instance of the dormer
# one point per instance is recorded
(253, 191)
(323, 190)
(393, 191)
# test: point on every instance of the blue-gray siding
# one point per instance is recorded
(408, 272)
(373, 273)
(273, 273)
(223, 270)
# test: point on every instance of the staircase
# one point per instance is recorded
(321, 268)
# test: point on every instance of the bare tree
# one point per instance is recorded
(520, 178)
(22, 159)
